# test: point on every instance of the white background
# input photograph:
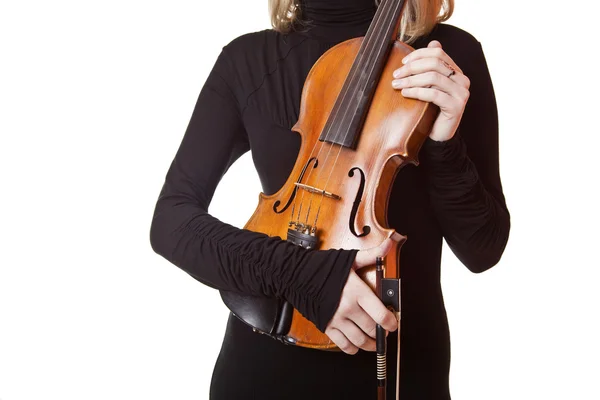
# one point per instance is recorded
(94, 100)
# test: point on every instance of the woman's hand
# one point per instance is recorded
(429, 74)
(353, 324)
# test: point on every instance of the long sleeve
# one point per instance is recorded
(220, 255)
(464, 180)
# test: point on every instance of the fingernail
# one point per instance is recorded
(396, 73)
(405, 60)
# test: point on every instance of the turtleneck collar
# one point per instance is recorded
(337, 19)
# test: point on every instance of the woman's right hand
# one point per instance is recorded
(353, 325)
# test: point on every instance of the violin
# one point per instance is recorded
(357, 133)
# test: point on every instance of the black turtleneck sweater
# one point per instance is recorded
(250, 101)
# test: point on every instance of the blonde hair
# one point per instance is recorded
(418, 19)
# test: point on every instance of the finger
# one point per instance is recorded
(431, 79)
(377, 311)
(437, 97)
(361, 319)
(433, 49)
(356, 336)
(368, 257)
(423, 65)
(457, 87)
(341, 341)
(434, 44)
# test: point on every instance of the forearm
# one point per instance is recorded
(228, 258)
(474, 223)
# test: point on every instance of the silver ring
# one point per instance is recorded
(452, 70)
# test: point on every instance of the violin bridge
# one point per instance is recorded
(312, 189)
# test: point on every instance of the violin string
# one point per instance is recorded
(335, 116)
(308, 177)
(369, 48)
(392, 22)
(371, 28)
(347, 132)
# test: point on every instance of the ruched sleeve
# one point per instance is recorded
(218, 254)
(463, 177)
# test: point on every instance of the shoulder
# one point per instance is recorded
(263, 44)
(256, 52)
(456, 42)
(241, 57)
(453, 34)
(462, 46)
(249, 42)
(247, 59)
(242, 49)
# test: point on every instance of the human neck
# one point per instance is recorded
(334, 19)
(337, 12)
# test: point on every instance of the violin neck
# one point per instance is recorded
(344, 128)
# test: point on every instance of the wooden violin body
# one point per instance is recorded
(339, 194)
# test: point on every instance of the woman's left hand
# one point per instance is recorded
(428, 75)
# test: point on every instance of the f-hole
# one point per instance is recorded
(293, 195)
(352, 222)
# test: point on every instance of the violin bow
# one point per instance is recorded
(388, 291)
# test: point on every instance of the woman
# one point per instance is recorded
(250, 101)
